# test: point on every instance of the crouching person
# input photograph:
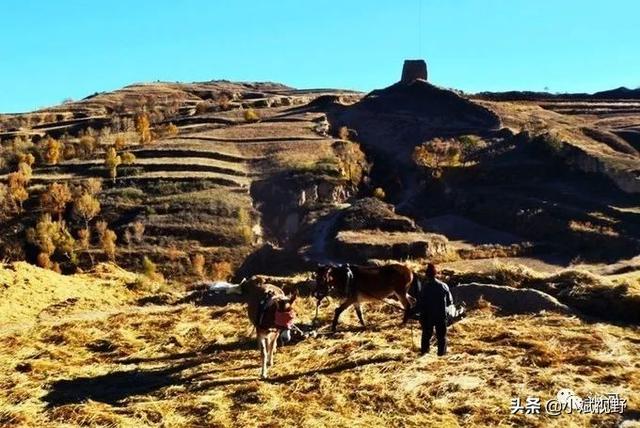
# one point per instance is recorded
(433, 300)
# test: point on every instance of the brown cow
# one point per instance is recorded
(361, 283)
(270, 311)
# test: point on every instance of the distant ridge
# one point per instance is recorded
(621, 93)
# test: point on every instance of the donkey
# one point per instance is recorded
(270, 311)
(361, 283)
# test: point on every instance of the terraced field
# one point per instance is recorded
(193, 190)
(226, 183)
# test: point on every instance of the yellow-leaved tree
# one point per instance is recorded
(436, 154)
(52, 150)
(55, 199)
(143, 127)
(86, 206)
(111, 161)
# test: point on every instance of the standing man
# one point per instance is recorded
(433, 300)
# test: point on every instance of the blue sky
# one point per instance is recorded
(52, 50)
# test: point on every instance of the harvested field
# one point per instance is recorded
(186, 365)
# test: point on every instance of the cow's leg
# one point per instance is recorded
(359, 313)
(405, 300)
(263, 340)
(274, 345)
(340, 309)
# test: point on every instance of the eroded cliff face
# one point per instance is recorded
(624, 172)
(286, 201)
(591, 134)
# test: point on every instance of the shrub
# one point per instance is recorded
(18, 147)
(221, 271)
(4, 199)
(42, 236)
(173, 253)
(379, 193)
(202, 107)
(436, 154)
(222, 101)
(69, 151)
(128, 158)
(197, 265)
(245, 226)
(138, 230)
(93, 185)
(150, 270)
(250, 115)
(43, 260)
(468, 144)
(49, 236)
(169, 130)
(87, 145)
(25, 171)
(17, 191)
(352, 161)
(131, 193)
(130, 171)
(119, 143)
(108, 243)
(127, 237)
(343, 133)
(84, 238)
(101, 227)
(55, 199)
(17, 185)
(27, 158)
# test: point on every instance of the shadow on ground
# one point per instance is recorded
(112, 388)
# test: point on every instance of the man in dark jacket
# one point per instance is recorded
(433, 300)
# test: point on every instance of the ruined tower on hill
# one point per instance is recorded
(413, 69)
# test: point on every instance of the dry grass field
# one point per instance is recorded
(83, 351)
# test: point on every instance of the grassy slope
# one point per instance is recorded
(196, 366)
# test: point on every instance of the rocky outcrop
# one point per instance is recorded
(361, 246)
(372, 213)
(510, 300)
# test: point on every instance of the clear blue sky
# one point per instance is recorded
(52, 50)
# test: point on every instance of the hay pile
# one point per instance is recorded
(27, 291)
(615, 299)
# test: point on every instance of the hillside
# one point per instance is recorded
(195, 189)
(231, 166)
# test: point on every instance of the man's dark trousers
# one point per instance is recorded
(440, 325)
